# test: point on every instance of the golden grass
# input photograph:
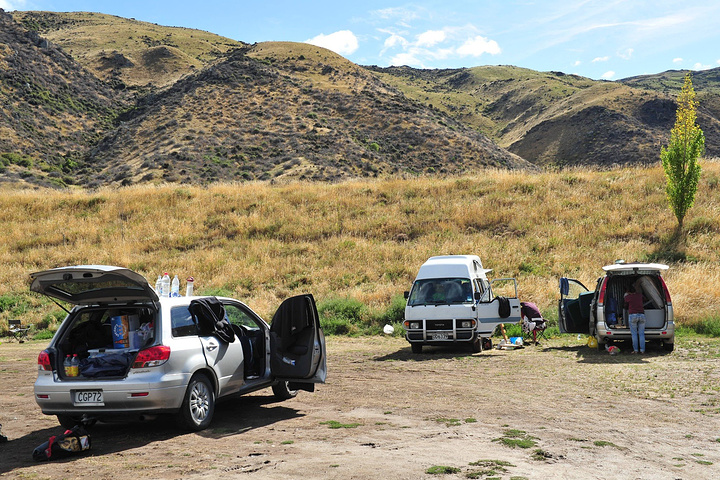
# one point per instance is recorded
(366, 239)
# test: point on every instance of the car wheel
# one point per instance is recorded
(282, 391)
(416, 347)
(476, 346)
(668, 347)
(198, 405)
(70, 421)
(600, 346)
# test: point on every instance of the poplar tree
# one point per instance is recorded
(680, 158)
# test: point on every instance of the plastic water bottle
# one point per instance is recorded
(165, 285)
(189, 289)
(158, 286)
(75, 366)
(175, 292)
(67, 367)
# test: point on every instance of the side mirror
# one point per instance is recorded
(478, 295)
(406, 294)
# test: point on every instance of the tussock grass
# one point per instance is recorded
(365, 240)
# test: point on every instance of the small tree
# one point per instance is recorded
(680, 158)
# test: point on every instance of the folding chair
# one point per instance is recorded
(534, 328)
(18, 330)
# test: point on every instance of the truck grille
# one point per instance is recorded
(439, 324)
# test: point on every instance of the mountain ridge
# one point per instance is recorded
(187, 106)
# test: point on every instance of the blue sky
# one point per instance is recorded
(608, 39)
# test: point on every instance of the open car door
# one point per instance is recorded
(297, 343)
(574, 307)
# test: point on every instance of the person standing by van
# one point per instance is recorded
(636, 318)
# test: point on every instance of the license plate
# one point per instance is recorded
(89, 397)
(439, 336)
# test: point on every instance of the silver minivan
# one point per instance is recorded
(138, 355)
(600, 312)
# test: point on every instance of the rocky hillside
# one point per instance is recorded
(92, 99)
(554, 119)
(278, 110)
(125, 51)
(51, 110)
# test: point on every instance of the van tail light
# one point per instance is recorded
(44, 361)
(667, 292)
(152, 357)
(601, 297)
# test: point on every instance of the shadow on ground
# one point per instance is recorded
(234, 416)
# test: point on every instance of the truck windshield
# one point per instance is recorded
(437, 291)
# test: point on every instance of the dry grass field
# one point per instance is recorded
(365, 240)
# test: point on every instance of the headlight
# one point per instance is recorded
(414, 324)
(466, 324)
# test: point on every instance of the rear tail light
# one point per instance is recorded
(601, 297)
(44, 361)
(667, 293)
(152, 357)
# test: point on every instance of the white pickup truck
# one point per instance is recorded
(452, 303)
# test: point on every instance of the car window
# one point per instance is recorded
(238, 316)
(483, 286)
(181, 322)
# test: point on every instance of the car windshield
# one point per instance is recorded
(435, 291)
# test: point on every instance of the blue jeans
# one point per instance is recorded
(637, 330)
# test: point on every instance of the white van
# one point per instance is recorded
(452, 302)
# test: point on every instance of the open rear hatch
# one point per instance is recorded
(93, 285)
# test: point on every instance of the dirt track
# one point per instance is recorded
(591, 416)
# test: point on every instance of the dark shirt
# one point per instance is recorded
(634, 303)
(530, 310)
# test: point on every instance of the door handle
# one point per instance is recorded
(211, 346)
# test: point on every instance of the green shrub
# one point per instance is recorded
(348, 309)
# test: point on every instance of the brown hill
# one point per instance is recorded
(125, 50)
(554, 119)
(287, 110)
(51, 110)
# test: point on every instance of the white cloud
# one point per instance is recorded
(700, 66)
(343, 42)
(477, 46)
(406, 59)
(677, 60)
(430, 38)
(608, 75)
(10, 5)
(627, 54)
(400, 15)
(600, 59)
(394, 41)
(577, 62)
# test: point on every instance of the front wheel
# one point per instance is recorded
(198, 405)
(416, 347)
(476, 346)
(282, 391)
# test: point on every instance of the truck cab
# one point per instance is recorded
(452, 302)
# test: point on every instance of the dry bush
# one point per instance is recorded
(366, 239)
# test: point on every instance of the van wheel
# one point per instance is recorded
(600, 346)
(416, 347)
(476, 346)
(282, 391)
(198, 405)
(668, 347)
